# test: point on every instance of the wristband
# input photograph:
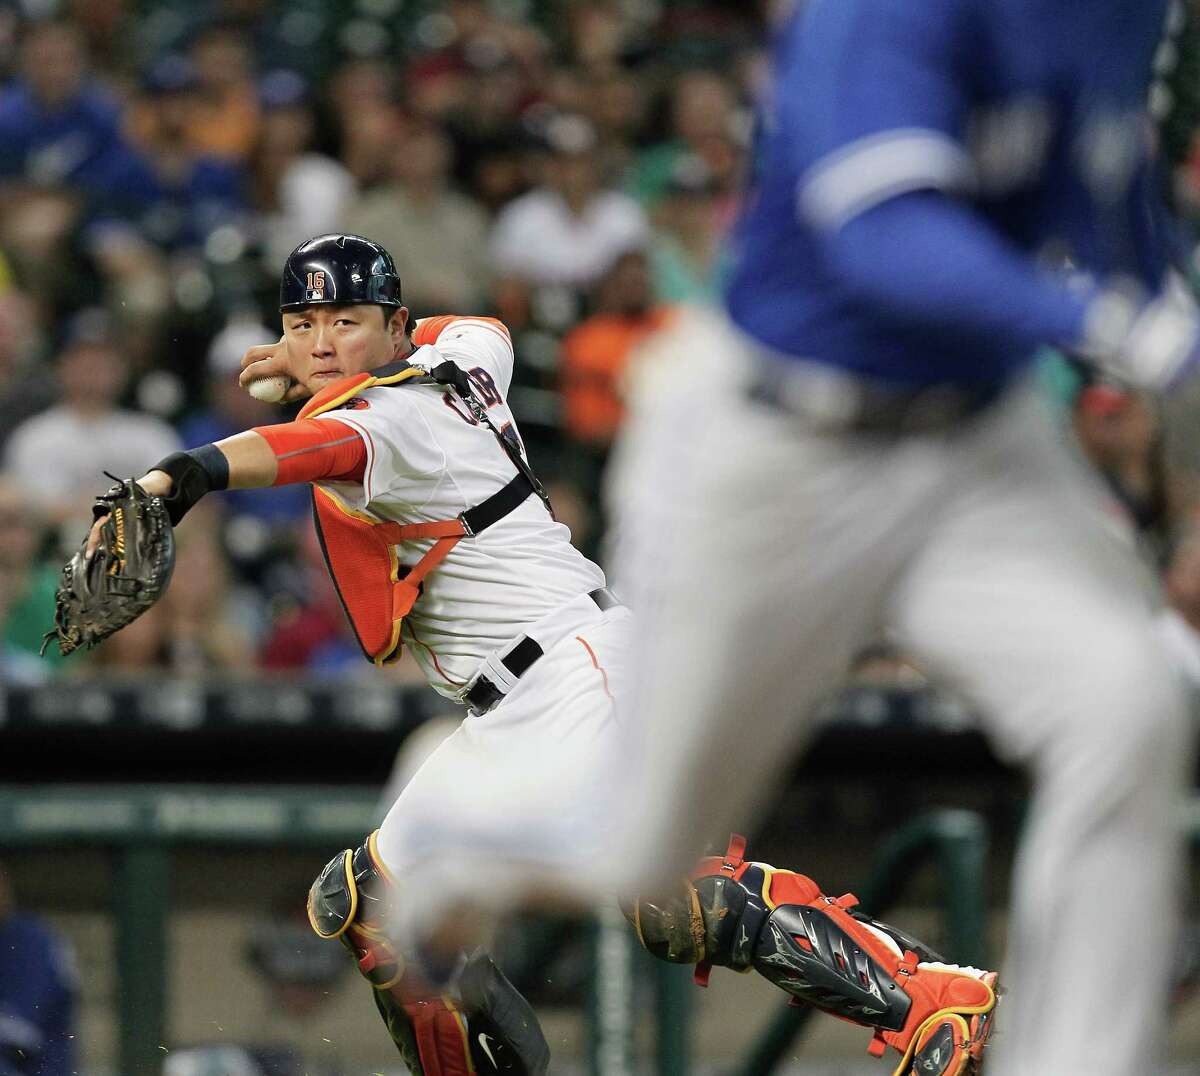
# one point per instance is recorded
(193, 474)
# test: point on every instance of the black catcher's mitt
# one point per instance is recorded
(127, 574)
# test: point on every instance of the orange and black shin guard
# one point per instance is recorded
(478, 1024)
(752, 916)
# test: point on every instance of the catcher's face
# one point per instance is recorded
(326, 342)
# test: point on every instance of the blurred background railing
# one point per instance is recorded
(163, 872)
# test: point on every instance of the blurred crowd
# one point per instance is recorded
(569, 166)
(566, 166)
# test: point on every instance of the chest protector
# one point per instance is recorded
(375, 589)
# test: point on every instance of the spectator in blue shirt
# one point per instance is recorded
(57, 126)
(37, 995)
(183, 193)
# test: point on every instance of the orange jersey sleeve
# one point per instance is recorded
(429, 329)
(311, 449)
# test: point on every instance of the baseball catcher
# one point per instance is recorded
(439, 537)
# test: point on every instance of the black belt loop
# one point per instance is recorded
(521, 656)
(520, 659)
(605, 599)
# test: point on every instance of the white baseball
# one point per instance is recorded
(270, 389)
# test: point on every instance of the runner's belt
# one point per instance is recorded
(484, 693)
(828, 400)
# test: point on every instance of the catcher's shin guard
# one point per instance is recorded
(819, 950)
(479, 1024)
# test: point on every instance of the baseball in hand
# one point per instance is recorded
(270, 389)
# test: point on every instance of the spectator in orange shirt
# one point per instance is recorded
(592, 364)
(226, 118)
(594, 354)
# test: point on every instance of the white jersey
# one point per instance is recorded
(428, 460)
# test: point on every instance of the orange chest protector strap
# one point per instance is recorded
(375, 589)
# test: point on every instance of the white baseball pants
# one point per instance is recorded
(757, 555)
(517, 802)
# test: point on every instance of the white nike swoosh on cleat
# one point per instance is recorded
(486, 1048)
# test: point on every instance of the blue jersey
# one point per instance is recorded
(924, 163)
(37, 997)
(79, 144)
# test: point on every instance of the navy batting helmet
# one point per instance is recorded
(339, 269)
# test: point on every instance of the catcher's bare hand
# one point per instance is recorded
(270, 360)
(93, 539)
(156, 483)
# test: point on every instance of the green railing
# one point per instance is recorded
(140, 827)
(623, 973)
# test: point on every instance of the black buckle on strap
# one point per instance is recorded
(518, 660)
(482, 696)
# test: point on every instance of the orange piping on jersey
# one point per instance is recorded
(598, 666)
(433, 654)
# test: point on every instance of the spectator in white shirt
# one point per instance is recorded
(58, 456)
(569, 230)
(300, 191)
(438, 235)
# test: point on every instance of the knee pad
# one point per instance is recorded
(720, 914)
(478, 1023)
(348, 901)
